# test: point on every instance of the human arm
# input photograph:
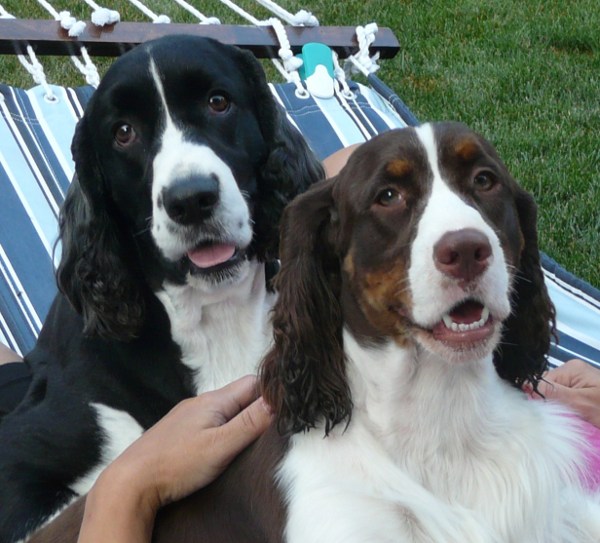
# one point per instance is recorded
(333, 163)
(8, 355)
(183, 452)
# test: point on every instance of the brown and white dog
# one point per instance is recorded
(411, 308)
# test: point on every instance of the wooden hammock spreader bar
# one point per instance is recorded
(48, 38)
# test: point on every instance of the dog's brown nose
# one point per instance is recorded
(463, 254)
(190, 200)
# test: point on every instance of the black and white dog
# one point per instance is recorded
(184, 163)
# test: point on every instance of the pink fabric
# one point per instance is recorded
(591, 477)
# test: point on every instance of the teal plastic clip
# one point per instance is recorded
(317, 69)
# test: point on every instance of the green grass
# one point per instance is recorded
(525, 74)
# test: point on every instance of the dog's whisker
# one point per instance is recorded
(144, 230)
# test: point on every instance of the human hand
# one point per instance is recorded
(576, 384)
(184, 451)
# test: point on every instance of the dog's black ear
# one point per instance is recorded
(303, 376)
(290, 166)
(94, 272)
(523, 354)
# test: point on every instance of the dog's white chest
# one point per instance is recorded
(224, 336)
(452, 460)
(229, 343)
(421, 494)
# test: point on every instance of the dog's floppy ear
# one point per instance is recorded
(94, 272)
(303, 376)
(522, 356)
(290, 166)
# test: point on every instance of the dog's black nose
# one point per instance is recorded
(463, 254)
(192, 199)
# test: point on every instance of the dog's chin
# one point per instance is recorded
(468, 331)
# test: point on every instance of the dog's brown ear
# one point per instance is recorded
(94, 271)
(523, 353)
(290, 166)
(303, 376)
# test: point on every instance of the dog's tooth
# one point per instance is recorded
(462, 327)
(485, 315)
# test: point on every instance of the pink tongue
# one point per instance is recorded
(207, 257)
(467, 313)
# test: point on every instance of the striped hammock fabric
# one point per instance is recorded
(36, 168)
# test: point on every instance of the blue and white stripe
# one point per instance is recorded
(333, 123)
(35, 172)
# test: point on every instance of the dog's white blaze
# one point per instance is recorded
(178, 158)
(119, 430)
(445, 211)
(224, 333)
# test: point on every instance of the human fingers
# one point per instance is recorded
(200, 459)
(229, 400)
(243, 429)
(553, 390)
(585, 401)
(573, 373)
(193, 444)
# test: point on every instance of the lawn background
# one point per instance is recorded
(526, 74)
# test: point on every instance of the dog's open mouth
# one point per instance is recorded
(467, 323)
(214, 257)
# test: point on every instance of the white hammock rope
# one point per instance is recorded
(200, 16)
(340, 76)
(241, 12)
(4, 14)
(69, 23)
(75, 28)
(288, 64)
(32, 64)
(36, 70)
(158, 19)
(301, 18)
(361, 61)
(102, 16)
(87, 68)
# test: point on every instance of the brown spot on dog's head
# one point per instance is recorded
(468, 149)
(399, 167)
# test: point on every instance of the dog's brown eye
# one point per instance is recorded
(218, 103)
(484, 181)
(125, 135)
(389, 197)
